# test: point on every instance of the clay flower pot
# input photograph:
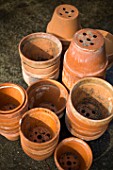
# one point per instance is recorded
(39, 133)
(64, 23)
(13, 103)
(108, 45)
(89, 108)
(85, 57)
(48, 94)
(73, 154)
(40, 56)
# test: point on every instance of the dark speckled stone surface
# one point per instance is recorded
(19, 18)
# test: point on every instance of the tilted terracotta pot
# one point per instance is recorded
(64, 23)
(85, 57)
(14, 102)
(108, 45)
(39, 133)
(73, 154)
(40, 56)
(89, 108)
(48, 94)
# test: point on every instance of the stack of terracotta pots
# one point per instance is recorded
(85, 57)
(39, 133)
(64, 23)
(89, 108)
(40, 57)
(90, 104)
(49, 94)
(13, 104)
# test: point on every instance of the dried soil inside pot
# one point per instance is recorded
(39, 49)
(89, 102)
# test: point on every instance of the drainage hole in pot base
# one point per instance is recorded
(89, 110)
(69, 161)
(48, 105)
(87, 38)
(40, 134)
(7, 107)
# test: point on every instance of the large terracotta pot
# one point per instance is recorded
(73, 154)
(39, 133)
(14, 102)
(49, 94)
(64, 23)
(89, 108)
(85, 57)
(40, 56)
(108, 45)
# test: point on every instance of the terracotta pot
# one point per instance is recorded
(73, 154)
(108, 45)
(14, 102)
(85, 57)
(48, 94)
(39, 133)
(67, 17)
(89, 108)
(32, 78)
(40, 55)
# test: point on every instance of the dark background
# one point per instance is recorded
(22, 17)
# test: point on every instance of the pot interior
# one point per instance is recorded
(39, 49)
(93, 100)
(39, 127)
(72, 156)
(47, 96)
(10, 98)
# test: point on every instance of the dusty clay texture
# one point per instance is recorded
(20, 18)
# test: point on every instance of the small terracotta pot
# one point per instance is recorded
(85, 57)
(40, 55)
(89, 108)
(48, 94)
(14, 102)
(108, 45)
(73, 153)
(64, 23)
(39, 133)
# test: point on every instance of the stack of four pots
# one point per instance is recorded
(40, 57)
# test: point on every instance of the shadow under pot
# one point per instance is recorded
(39, 133)
(40, 53)
(48, 94)
(85, 57)
(73, 154)
(13, 103)
(89, 108)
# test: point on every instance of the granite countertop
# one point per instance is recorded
(20, 18)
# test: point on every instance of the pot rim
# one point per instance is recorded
(77, 140)
(20, 89)
(79, 116)
(58, 84)
(40, 35)
(34, 110)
